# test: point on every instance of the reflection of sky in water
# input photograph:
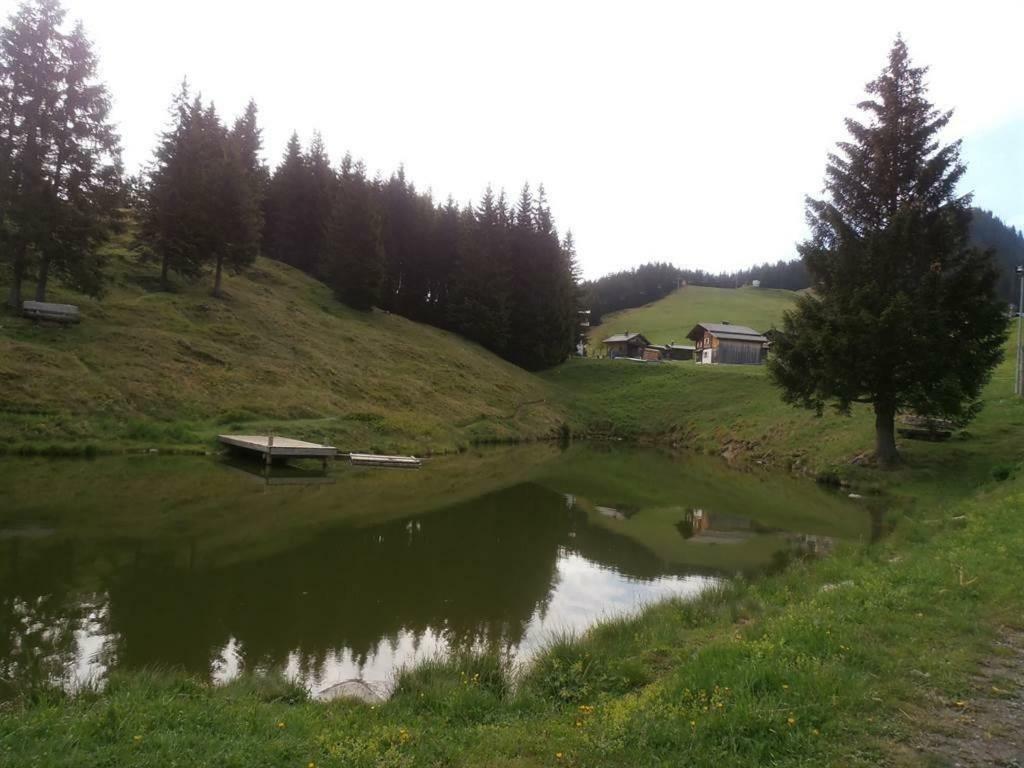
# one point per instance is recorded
(583, 592)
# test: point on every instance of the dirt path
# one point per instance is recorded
(986, 728)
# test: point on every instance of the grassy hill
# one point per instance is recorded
(670, 319)
(149, 367)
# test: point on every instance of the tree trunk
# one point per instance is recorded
(885, 435)
(44, 275)
(216, 279)
(14, 294)
(163, 273)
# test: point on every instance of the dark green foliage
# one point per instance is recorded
(203, 204)
(498, 276)
(353, 252)
(299, 205)
(59, 156)
(903, 314)
(989, 232)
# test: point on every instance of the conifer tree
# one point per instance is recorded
(202, 204)
(284, 220)
(59, 155)
(353, 254)
(903, 314)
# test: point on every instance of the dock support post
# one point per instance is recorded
(270, 449)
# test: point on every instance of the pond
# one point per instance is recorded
(200, 564)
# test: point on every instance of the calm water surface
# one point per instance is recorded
(203, 565)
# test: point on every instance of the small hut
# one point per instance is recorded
(626, 345)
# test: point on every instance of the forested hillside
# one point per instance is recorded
(151, 367)
(990, 232)
(650, 282)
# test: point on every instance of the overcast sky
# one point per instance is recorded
(662, 131)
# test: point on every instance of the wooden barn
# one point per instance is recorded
(626, 345)
(678, 351)
(728, 344)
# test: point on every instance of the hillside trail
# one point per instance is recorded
(986, 728)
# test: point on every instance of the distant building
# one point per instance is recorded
(679, 351)
(626, 345)
(756, 283)
(728, 344)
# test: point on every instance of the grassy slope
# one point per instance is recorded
(150, 368)
(671, 318)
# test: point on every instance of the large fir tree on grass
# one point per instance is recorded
(59, 155)
(903, 313)
(203, 205)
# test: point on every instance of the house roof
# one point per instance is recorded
(681, 346)
(624, 337)
(727, 331)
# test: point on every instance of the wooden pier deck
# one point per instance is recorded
(272, 447)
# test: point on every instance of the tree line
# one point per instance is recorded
(649, 282)
(498, 272)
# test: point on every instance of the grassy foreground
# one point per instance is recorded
(148, 368)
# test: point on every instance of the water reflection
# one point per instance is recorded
(277, 579)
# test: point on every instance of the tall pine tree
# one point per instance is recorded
(59, 155)
(903, 315)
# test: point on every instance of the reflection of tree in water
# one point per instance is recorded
(37, 616)
(473, 574)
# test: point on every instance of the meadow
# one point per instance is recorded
(669, 319)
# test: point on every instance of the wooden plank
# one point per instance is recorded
(373, 460)
(45, 310)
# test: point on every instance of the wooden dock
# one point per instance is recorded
(271, 447)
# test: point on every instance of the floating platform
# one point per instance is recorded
(271, 447)
(373, 460)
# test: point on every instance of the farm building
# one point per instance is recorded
(678, 352)
(726, 344)
(626, 345)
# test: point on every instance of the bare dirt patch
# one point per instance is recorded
(986, 728)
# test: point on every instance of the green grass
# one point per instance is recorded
(671, 318)
(148, 368)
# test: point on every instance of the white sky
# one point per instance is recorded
(662, 131)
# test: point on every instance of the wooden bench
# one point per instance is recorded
(66, 314)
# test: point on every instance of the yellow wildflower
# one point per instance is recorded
(136, 738)
(280, 724)
(558, 755)
(791, 720)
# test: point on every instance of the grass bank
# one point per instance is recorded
(148, 368)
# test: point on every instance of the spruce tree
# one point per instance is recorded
(903, 314)
(203, 205)
(59, 154)
(353, 252)
(284, 219)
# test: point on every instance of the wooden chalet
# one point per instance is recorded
(626, 345)
(728, 344)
